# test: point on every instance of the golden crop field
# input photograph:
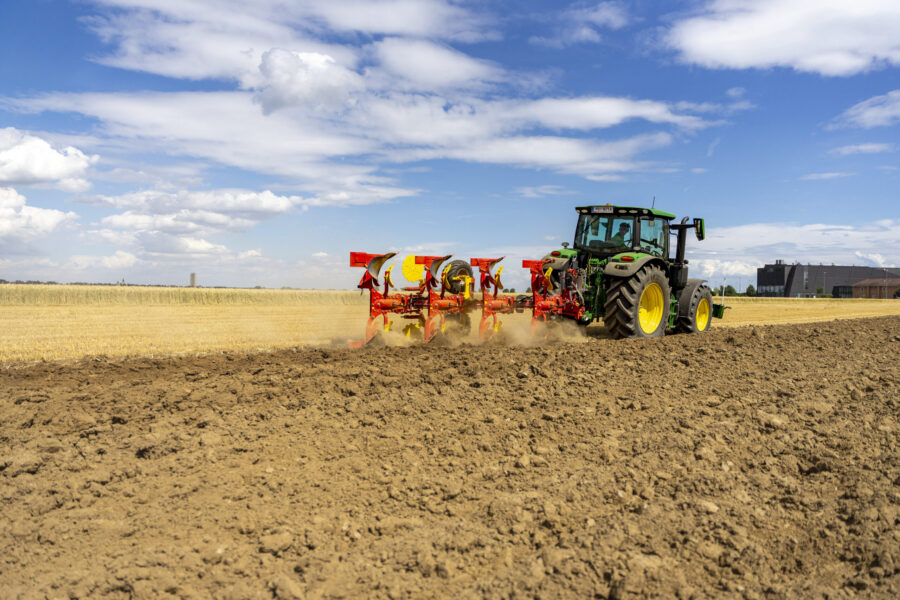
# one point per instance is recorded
(61, 322)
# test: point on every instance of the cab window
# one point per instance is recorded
(654, 237)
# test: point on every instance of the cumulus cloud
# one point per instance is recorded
(875, 259)
(879, 111)
(18, 221)
(305, 78)
(30, 160)
(169, 224)
(829, 37)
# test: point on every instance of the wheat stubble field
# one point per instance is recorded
(69, 322)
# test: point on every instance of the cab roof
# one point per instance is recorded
(623, 210)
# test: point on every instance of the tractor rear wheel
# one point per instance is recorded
(556, 265)
(638, 306)
(695, 313)
(455, 269)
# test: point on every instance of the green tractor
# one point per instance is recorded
(619, 269)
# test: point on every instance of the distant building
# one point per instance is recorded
(884, 287)
(804, 281)
(193, 280)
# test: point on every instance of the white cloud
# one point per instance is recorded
(306, 78)
(312, 149)
(180, 222)
(226, 39)
(878, 111)
(597, 112)
(162, 223)
(18, 221)
(821, 176)
(735, 92)
(606, 178)
(870, 148)
(249, 255)
(423, 18)
(579, 24)
(425, 65)
(542, 191)
(165, 245)
(255, 205)
(117, 261)
(875, 259)
(29, 160)
(603, 14)
(829, 37)
(577, 156)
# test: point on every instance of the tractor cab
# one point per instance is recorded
(608, 230)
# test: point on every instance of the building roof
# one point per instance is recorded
(878, 281)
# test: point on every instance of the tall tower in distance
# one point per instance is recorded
(193, 280)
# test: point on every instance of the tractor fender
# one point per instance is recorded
(684, 299)
(627, 269)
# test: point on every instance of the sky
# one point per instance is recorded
(259, 142)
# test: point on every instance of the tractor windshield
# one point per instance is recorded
(606, 234)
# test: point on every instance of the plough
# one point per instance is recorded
(619, 269)
(444, 292)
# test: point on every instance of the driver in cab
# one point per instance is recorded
(619, 238)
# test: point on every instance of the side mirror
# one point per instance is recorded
(699, 229)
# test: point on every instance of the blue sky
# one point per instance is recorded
(258, 142)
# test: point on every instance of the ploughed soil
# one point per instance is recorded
(744, 463)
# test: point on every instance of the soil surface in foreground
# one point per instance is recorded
(745, 463)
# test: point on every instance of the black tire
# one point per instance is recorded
(621, 313)
(454, 270)
(687, 321)
(556, 266)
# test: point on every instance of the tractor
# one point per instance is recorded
(618, 270)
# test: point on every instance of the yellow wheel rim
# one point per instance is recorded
(703, 315)
(650, 308)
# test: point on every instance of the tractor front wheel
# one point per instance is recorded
(697, 316)
(638, 306)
